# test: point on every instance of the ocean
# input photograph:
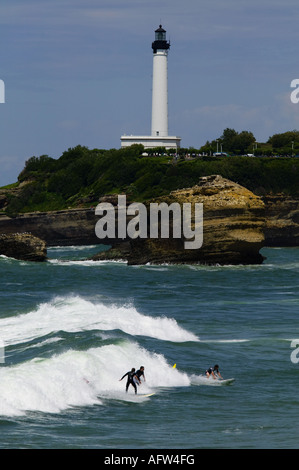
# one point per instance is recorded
(71, 328)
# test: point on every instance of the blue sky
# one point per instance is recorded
(80, 71)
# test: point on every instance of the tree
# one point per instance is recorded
(243, 141)
(284, 140)
(227, 139)
(231, 142)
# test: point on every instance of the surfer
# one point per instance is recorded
(214, 372)
(139, 373)
(130, 380)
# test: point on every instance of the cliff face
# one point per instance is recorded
(232, 219)
(232, 229)
(282, 221)
(23, 246)
(65, 228)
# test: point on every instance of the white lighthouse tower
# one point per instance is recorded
(159, 133)
(160, 86)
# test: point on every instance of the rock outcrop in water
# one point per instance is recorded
(233, 228)
(77, 226)
(282, 220)
(23, 246)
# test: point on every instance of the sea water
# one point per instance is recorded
(72, 328)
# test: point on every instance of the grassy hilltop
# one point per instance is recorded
(80, 176)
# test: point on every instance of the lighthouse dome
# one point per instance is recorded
(160, 40)
(160, 34)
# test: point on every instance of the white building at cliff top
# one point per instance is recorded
(159, 136)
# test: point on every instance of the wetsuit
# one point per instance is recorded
(130, 380)
(211, 369)
(139, 374)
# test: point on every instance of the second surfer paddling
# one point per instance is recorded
(214, 372)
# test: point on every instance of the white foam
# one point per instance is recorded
(203, 380)
(82, 378)
(71, 248)
(89, 263)
(225, 341)
(74, 314)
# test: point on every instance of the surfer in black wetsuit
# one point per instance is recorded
(130, 380)
(140, 373)
(214, 372)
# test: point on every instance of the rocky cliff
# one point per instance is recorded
(77, 226)
(23, 246)
(282, 220)
(65, 227)
(233, 228)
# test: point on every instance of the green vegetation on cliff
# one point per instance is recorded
(239, 143)
(80, 176)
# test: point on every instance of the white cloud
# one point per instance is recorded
(263, 121)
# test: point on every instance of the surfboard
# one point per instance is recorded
(147, 395)
(226, 381)
(203, 380)
(218, 382)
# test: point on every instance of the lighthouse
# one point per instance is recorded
(159, 124)
(160, 84)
